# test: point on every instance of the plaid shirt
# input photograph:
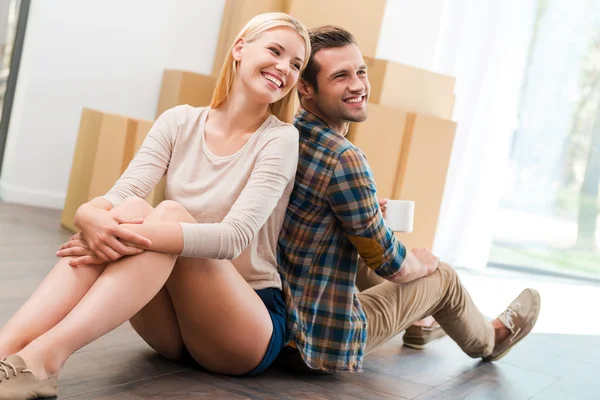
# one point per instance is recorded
(332, 218)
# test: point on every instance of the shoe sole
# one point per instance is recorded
(509, 348)
(440, 333)
(416, 346)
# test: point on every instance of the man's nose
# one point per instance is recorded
(357, 85)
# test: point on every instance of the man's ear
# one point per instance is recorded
(237, 49)
(305, 89)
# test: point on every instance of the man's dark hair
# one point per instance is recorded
(324, 37)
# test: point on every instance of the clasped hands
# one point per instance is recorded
(102, 239)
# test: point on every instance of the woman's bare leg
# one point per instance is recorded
(215, 307)
(209, 306)
(123, 288)
(157, 323)
(225, 325)
(58, 293)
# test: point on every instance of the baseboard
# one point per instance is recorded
(31, 197)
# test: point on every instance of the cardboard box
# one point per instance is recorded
(381, 138)
(184, 87)
(422, 176)
(235, 15)
(102, 152)
(410, 88)
(363, 18)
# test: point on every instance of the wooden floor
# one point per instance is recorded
(120, 366)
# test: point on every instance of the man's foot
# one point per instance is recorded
(519, 318)
(421, 333)
(19, 383)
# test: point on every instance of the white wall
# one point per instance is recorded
(104, 54)
(410, 30)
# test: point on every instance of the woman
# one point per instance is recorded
(196, 276)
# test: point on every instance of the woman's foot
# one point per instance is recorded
(17, 382)
(7, 347)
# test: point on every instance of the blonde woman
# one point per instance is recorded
(197, 275)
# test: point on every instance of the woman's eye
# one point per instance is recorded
(296, 66)
(274, 50)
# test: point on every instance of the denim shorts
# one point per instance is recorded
(273, 300)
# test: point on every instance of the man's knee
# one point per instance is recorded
(449, 276)
(447, 268)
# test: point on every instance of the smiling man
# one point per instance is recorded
(334, 217)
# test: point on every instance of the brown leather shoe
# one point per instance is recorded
(19, 383)
(520, 318)
(418, 337)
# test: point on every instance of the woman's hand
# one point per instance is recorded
(80, 254)
(103, 235)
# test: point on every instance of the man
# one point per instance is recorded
(334, 217)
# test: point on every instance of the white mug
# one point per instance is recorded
(399, 215)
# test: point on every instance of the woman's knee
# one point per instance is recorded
(133, 207)
(170, 210)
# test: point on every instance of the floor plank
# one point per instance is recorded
(492, 381)
(162, 387)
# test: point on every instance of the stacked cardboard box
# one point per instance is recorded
(105, 146)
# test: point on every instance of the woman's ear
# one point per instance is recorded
(305, 89)
(237, 49)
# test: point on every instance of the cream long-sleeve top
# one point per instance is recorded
(238, 201)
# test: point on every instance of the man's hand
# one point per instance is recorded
(382, 205)
(418, 263)
(429, 261)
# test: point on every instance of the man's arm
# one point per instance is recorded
(352, 197)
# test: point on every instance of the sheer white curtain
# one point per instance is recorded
(484, 44)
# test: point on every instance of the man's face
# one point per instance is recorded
(343, 85)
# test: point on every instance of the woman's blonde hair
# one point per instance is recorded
(282, 108)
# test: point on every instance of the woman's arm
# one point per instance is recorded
(165, 237)
(100, 229)
(274, 169)
(152, 159)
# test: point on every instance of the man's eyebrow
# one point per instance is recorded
(345, 70)
(338, 71)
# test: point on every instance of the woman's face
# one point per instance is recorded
(270, 66)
